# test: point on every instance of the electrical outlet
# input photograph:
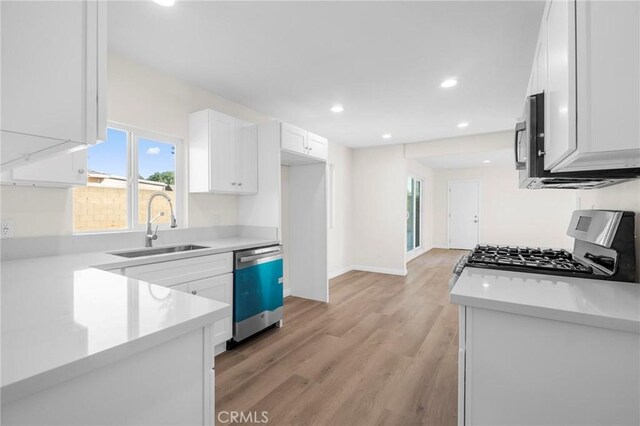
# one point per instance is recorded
(6, 228)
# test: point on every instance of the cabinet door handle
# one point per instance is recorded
(194, 292)
(240, 184)
(233, 183)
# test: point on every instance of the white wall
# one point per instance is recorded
(340, 231)
(379, 209)
(140, 97)
(461, 145)
(509, 215)
(37, 211)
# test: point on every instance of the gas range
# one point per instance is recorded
(551, 261)
(604, 248)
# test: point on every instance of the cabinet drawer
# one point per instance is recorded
(184, 270)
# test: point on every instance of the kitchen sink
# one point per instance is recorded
(158, 250)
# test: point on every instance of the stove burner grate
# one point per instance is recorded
(526, 258)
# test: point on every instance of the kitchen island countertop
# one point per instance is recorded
(63, 316)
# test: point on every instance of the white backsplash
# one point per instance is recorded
(19, 248)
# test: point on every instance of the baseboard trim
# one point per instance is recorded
(286, 292)
(377, 270)
(419, 252)
(340, 271)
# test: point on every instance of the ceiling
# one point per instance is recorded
(501, 157)
(383, 61)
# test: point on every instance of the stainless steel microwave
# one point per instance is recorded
(529, 157)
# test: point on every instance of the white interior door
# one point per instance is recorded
(464, 215)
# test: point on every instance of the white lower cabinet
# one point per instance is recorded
(218, 288)
(208, 276)
(181, 287)
(163, 384)
(523, 370)
(212, 397)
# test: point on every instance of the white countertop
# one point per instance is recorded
(62, 317)
(608, 304)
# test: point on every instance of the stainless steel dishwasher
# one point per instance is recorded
(257, 290)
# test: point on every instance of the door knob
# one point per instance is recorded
(194, 292)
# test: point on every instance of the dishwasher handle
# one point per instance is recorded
(248, 258)
(260, 256)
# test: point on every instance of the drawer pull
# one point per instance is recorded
(194, 292)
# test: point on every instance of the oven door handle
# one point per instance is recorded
(520, 128)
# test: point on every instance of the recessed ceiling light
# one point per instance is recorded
(450, 82)
(463, 124)
(486, 161)
(165, 3)
(337, 108)
(386, 136)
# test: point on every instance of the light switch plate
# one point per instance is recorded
(6, 228)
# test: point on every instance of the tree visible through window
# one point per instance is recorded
(108, 201)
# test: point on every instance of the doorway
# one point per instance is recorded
(414, 216)
(464, 214)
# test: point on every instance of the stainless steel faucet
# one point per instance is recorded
(154, 235)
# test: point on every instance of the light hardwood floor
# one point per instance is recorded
(382, 352)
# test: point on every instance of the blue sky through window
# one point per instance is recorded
(111, 156)
(155, 157)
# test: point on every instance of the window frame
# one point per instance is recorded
(134, 134)
(417, 244)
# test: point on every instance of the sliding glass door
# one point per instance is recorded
(414, 213)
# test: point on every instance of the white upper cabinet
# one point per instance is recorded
(53, 78)
(64, 170)
(560, 132)
(247, 150)
(223, 154)
(588, 69)
(294, 139)
(317, 146)
(298, 141)
(608, 82)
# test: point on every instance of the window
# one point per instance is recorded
(123, 172)
(414, 213)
